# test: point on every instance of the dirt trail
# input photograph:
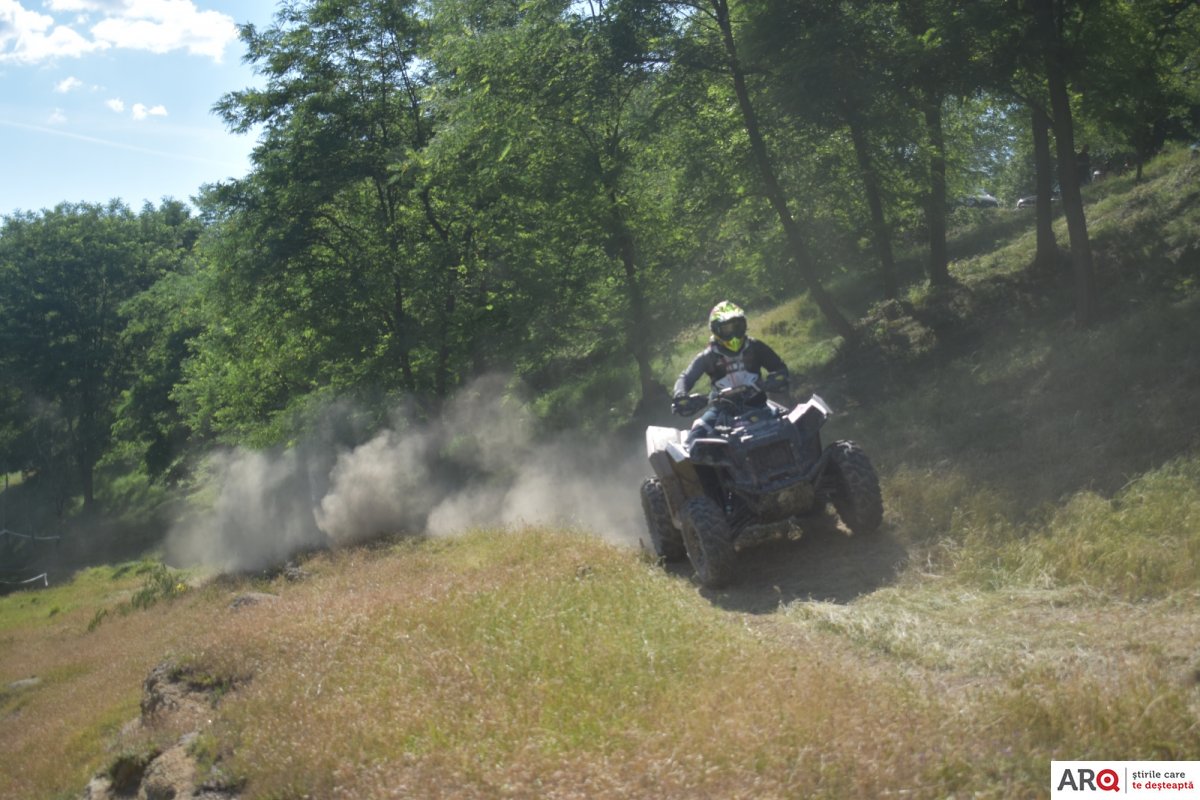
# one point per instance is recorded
(826, 564)
(859, 591)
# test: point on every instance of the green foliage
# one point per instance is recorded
(337, 263)
(49, 323)
(158, 582)
(1137, 78)
(548, 189)
(163, 322)
(65, 276)
(161, 583)
(570, 134)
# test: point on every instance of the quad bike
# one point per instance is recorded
(762, 471)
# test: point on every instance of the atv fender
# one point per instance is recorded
(669, 458)
(664, 445)
(810, 415)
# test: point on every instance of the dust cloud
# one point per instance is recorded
(482, 463)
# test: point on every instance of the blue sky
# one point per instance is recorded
(108, 99)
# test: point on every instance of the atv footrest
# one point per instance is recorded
(762, 532)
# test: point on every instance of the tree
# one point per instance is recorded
(717, 12)
(1046, 256)
(564, 98)
(828, 68)
(1048, 30)
(1136, 73)
(938, 61)
(64, 277)
(362, 269)
(160, 324)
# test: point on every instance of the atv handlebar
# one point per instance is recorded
(777, 382)
(731, 396)
(688, 405)
(732, 399)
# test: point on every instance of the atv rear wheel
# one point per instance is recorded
(707, 539)
(665, 538)
(857, 498)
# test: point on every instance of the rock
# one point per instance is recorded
(175, 695)
(252, 599)
(164, 691)
(293, 573)
(172, 775)
(100, 788)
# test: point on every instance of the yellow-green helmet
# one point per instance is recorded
(728, 325)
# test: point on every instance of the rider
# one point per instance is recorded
(729, 350)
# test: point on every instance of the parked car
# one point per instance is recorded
(981, 200)
(1030, 200)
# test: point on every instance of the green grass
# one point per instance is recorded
(104, 584)
(1144, 542)
(1066, 453)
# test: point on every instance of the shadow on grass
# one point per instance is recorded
(825, 564)
(1019, 402)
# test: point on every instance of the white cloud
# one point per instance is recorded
(159, 26)
(27, 37)
(140, 111)
(68, 84)
(57, 118)
(107, 6)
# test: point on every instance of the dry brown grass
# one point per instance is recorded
(58, 732)
(559, 667)
(549, 664)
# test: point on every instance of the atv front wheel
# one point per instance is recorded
(857, 498)
(707, 539)
(665, 538)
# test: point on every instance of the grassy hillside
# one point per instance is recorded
(1033, 595)
(540, 663)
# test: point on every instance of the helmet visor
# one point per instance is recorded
(731, 328)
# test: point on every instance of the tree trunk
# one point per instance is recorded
(799, 248)
(89, 488)
(1046, 258)
(441, 376)
(637, 309)
(441, 380)
(1068, 175)
(83, 438)
(636, 341)
(935, 212)
(400, 345)
(879, 227)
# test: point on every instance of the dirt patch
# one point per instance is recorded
(825, 563)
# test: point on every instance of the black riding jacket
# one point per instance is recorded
(716, 362)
